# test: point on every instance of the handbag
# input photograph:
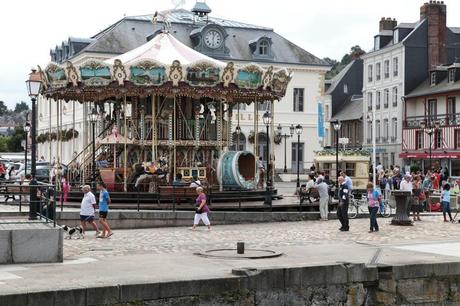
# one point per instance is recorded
(199, 211)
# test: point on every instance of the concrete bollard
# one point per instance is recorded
(240, 247)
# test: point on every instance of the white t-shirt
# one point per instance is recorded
(405, 185)
(195, 184)
(87, 208)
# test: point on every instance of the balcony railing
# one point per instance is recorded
(443, 120)
(393, 139)
(384, 139)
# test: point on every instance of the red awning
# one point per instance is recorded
(434, 155)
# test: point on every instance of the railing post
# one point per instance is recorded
(138, 203)
(20, 196)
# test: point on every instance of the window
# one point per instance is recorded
(433, 79)
(369, 73)
(452, 75)
(395, 66)
(264, 47)
(377, 100)
(451, 110)
(392, 158)
(386, 69)
(418, 140)
(395, 36)
(378, 71)
(242, 106)
(345, 88)
(386, 97)
(263, 106)
(238, 142)
(438, 139)
(377, 130)
(432, 110)
(350, 169)
(394, 128)
(298, 99)
(369, 132)
(386, 129)
(369, 100)
(395, 96)
(457, 139)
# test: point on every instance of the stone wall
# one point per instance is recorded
(340, 284)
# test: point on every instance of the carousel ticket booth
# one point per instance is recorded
(164, 109)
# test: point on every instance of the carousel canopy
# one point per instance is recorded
(165, 49)
(166, 67)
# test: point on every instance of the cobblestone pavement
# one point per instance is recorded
(267, 235)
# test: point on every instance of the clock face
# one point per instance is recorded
(213, 39)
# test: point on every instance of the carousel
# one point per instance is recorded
(163, 109)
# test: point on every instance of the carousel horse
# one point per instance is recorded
(151, 175)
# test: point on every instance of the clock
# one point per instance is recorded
(213, 39)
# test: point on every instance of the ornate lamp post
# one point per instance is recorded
(34, 86)
(298, 131)
(337, 126)
(27, 130)
(285, 136)
(430, 129)
(238, 133)
(267, 119)
(93, 117)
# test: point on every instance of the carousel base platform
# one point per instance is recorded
(215, 196)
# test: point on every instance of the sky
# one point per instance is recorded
(326, 28)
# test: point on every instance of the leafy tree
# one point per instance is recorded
(355, 53)
(14, 143)
(20, 107)
(3, 108)
(4, 143)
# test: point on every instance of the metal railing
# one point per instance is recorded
(442, 119)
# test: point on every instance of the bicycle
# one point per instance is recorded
(358, 206)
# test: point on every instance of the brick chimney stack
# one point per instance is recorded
(435, 12)
(387, 24)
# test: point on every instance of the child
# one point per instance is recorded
(445, 200)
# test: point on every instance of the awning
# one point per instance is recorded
(434, 155)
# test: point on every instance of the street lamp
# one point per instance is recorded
(267, 119)
(93, 117)
(26, 129)
(337, 126)
(430, 129)
(298, 131)
(34, 87)
(285, 136)
(238, 133)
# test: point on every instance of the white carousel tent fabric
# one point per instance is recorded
(164, 48)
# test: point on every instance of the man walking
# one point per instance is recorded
(104, 201)
(88, 209)
(323, 191)
(342, 210)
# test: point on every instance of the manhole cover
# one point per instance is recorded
(232, 254)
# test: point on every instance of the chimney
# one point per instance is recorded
(435, 13)
(387, 24)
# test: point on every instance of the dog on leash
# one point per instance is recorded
(73, 231)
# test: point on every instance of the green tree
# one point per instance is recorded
(355, 53)
(20, 107)
(4, 143)
(14, 143)
(3, 108)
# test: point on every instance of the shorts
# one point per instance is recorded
(84, 218)
(103, 214)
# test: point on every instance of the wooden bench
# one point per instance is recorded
(177, 194)
(10, 191)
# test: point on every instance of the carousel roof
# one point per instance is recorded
(164, 48)
(164, 67)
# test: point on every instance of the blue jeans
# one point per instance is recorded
(446, 209)
(373, 216)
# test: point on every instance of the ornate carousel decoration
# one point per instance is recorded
(180, 107)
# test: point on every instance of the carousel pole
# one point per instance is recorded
(219, 136)
(49, 132)
(73, 126)
(85, 141)
(125, 159)
(272, 147)
(154, 130)
(256, 134)
(229, 126)
(60, 139)
(175, 138)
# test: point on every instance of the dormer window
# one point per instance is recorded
(264, 48)
(261, 47)
(345, 88)
(433, 79)
(452, 75)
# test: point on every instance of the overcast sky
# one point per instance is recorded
(326, 28)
